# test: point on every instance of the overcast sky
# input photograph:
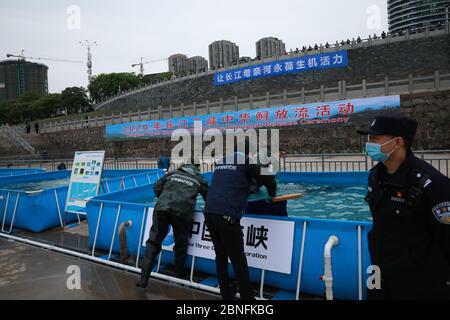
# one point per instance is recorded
(128, 30)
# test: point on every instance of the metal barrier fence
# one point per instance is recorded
(291, 163)
(52, 165)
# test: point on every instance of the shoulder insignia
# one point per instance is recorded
(442, 212)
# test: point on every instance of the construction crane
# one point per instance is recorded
(142, 63)
(22, 57)
(89, 45)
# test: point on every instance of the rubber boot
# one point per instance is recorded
(145, 271)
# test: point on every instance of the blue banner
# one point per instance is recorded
(291, 115)
(338, 59)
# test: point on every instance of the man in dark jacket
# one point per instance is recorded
(410, 205)
(177, 194)
(226, 201)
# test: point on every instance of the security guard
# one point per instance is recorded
(410, 205)
(177, 195)
(225, 203)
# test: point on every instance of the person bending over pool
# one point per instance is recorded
(177, 194)
(224, 206)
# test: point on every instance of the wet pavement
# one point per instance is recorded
(73, 237)
(28, 272)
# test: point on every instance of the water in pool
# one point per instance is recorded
(40, 185)
(328, 202)
(36, 185)
(319, 201)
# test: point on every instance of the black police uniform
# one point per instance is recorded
(225, 203)
(410, 237)
(177, 194)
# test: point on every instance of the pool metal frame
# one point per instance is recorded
(14, 212)
(191, 281)
(11, 226)
(156, 274)
(122, 183)
(63, 222)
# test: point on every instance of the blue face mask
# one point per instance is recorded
(373, 150)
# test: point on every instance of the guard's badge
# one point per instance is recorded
(442, 212)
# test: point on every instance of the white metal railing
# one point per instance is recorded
(11, 225)
(136, 268)
(11, 134)
(406, 85)
(321, 48)
(156, 273)
(190, 283)
(342, 162)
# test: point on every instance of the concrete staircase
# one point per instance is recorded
(39, 142)
(12, 143)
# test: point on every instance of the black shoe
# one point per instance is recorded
(234, 290)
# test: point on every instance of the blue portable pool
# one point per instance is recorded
(349, 264)
(36, 202)
(18, 171)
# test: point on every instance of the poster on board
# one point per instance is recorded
(85, 180)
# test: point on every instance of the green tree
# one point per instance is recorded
(46, 106)
(19, 110)
(4, 112)
(30, 96)
(103, 85)
(74, 99)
